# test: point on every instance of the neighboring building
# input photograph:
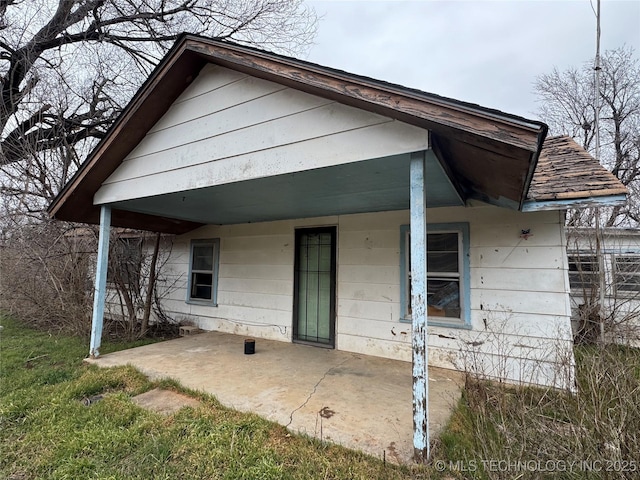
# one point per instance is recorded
(299, 196)
(604, 268)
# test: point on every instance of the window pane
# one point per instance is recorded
(583, 263)
(444, 274)
(583, 271)
(324, 262)
(325, 239)
(442, 262)
(312, 256)
(628, 283)
(442, 252)
(442, 242)
(628, 274)
(443, 297)
(202, 257)
(628, 264)
(201, 285)
(324, 310)
(203, 292)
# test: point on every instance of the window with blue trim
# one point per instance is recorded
(447, 274)
(203, 271)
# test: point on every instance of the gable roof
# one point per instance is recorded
(487, 154)
(566, 171)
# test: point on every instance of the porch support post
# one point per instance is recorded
(419, 307)
(100, 290)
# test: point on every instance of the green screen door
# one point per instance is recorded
(314, 285)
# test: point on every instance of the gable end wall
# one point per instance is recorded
(229, 127)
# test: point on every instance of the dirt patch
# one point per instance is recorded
(164, 402)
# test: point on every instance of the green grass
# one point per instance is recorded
(47, 431)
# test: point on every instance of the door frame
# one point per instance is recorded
(333, 230)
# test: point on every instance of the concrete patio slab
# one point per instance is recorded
(164, 402)
(361, 402)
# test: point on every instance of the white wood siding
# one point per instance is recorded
(229, 127)
(519, 303)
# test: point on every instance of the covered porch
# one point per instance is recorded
(357, 401)
(389, 183)
(226, 135)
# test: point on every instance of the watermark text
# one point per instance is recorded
(515, 466)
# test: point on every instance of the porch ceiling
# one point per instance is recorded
(368, 186)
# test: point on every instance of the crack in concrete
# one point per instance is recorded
(315, 388)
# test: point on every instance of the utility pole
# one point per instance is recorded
(599, 233)
(597, 69)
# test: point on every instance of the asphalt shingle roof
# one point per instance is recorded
(566, 171)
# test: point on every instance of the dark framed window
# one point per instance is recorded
(203, 271)
(448, 274)
(626, 270)
(584, 271)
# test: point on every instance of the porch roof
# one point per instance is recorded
(566, 172)
(485, 154)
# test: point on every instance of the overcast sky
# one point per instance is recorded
(484, 52)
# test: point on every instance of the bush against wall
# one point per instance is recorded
(46, 277)
(47, 273)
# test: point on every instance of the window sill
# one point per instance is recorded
(203, 303)
(578, 292)
(435, 323)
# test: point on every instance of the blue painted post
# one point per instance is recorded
(100, 290)
(419, 307)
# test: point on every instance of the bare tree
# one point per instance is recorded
(67, 68)
(568, 105)
(45, 277)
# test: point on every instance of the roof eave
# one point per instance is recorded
(170, 60)
(390, 99)
(487, 131)
(532, 167)
(583, 202)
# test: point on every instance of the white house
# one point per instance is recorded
(316, 206)
(604, 275)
